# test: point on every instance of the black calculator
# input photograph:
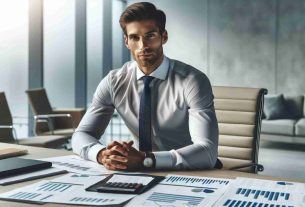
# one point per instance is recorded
(107, 186)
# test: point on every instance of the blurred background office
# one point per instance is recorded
(68, 46)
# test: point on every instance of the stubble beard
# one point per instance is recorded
(151, 61)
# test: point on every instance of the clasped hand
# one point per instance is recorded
(121, 156)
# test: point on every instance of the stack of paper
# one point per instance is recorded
(62, 192)
(263, 193)
(176, 190)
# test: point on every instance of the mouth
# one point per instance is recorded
(145, 55)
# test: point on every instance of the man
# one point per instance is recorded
(166, 104)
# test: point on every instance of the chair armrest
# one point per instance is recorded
(49, 117)
(6, 127)
(259, 167)
(68, 110)
(76, 113)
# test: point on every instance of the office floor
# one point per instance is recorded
(283, 160)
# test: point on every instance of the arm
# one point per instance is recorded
(85, 140)
(203, 127)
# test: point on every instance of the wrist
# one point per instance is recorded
(99, 156)
(142, 156)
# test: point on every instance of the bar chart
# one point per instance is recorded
(259, 194)
(54, 187)
(24, 195)
(242, 203)
(89, 200)
(72, 166)
(195, 181)
(167, 198)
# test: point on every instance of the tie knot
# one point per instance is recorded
(147, 80)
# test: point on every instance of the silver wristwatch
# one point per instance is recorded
(149, 160)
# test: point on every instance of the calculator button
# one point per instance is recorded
(120, 185)
(115, 184)
(130, 185)
(139, 185)
(108, 184)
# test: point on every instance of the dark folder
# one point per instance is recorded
(15, 166)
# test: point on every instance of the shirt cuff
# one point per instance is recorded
(93, 151)
(164, 160)
(178, 158)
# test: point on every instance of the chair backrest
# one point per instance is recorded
(239, 112)
(6, 134)
(39, 101)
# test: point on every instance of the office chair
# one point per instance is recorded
(51, 121)
(239, 113)
(8, 132)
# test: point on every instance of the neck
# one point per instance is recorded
(148, 69)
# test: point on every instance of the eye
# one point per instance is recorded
(133, 37)
(150, 35)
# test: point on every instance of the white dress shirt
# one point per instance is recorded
(184, 126)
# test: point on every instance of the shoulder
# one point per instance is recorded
(189, 74)
(122, 74)
(115, 76)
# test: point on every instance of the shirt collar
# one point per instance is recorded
(159, 73)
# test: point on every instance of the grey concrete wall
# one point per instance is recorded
(250, 43)
(291, 47)
(242, 34)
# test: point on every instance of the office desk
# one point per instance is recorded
(37, 152)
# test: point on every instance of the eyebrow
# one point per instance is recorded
(149, 32)
(152, 31)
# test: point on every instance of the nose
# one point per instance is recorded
(142, 43)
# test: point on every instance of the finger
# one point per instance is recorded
(120, 150)
(125, 145)
(128, 144)
(120, 166)
(109, 167)
(115, 165)
(106, 153)
(118, 158)
(120, 146)
(114, 143)
(109, 152)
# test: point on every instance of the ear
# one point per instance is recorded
(164, 37)
(126, 41)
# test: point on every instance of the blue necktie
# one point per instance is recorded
(145, 117)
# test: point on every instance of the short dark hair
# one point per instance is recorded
(143, 11)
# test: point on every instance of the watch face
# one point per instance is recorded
(148, 162)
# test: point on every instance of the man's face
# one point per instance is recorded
(145, 42)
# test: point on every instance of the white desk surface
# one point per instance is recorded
(37, 152)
